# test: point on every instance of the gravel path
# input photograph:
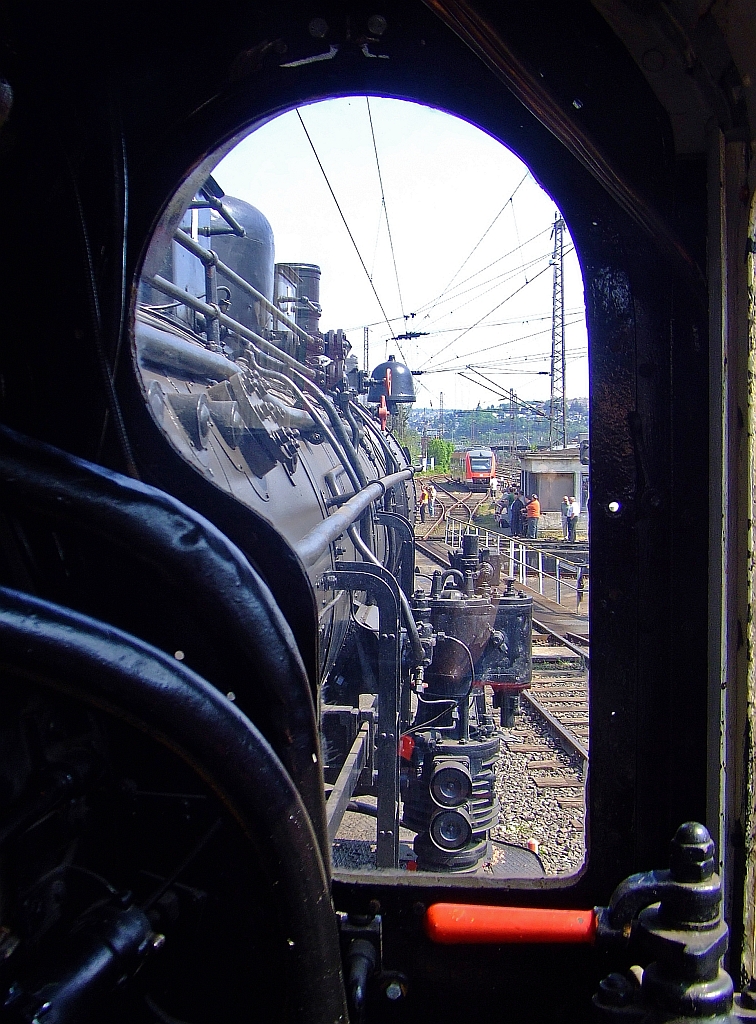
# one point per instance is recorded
(532, 813)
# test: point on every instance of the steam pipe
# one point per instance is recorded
(316, 542)
(174, 292)
(356, 430)
(449, 574)
(111, 671)
(215, 204)
(340, 430)
(354, 478)
(208, 258)
(418, 653)
(163, 350)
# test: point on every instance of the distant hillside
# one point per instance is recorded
(496, 425)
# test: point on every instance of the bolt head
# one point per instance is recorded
(377, 25)
(692, 853)
(318, 28)
(616, 990)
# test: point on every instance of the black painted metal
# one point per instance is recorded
(346, 782)
(35, 478)
(110, 670)
(402, 526)
(383, 588)
(77, 79)
(105, 948)
(674, 918)
(316, 542)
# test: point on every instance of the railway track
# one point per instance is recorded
(450, 502)
(546, 764)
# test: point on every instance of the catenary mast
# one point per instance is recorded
(558, 406)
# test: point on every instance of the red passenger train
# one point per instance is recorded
(475, 467)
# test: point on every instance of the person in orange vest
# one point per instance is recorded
(533, 514)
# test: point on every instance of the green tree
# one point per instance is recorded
(404, 433)
(441, 452)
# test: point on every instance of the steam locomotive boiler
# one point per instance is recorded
(263, 404)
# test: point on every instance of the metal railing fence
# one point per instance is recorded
(569, 579)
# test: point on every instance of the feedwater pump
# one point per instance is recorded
(482, 638)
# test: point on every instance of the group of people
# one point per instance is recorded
(519, 513)
(427, 502)
(570, 512)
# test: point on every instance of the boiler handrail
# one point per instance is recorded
(208, 257)
(316, 542)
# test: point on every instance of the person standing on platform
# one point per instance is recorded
(423, 504)
(564, 509)
(533, 514)
(572, 518)
(431, 501)
(515, 515)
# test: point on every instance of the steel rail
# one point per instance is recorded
(583, 652)
(563, 732)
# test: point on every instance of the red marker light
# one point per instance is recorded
(452, 923)
(406, 746)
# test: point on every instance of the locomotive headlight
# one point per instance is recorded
(451, 784)
(451, 830)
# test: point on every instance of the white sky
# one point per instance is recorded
(444, 181)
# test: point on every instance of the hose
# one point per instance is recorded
(111, 671)
(269, 679)
(418, 654)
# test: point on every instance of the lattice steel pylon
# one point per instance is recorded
(558, 405)
(441, 415)
(366, 348)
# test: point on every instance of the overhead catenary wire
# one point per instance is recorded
(466, 280)
(453, 364)
(523, 319)
(385, 209)
(485, 315)
(502, 365)
(505, 393)
(493, 282)
(348, 230)
(474, 249)
(482, 270)
(504, 323)
(477, 323)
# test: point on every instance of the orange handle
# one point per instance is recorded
(450, 923)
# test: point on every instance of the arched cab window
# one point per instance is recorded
(338, 309)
